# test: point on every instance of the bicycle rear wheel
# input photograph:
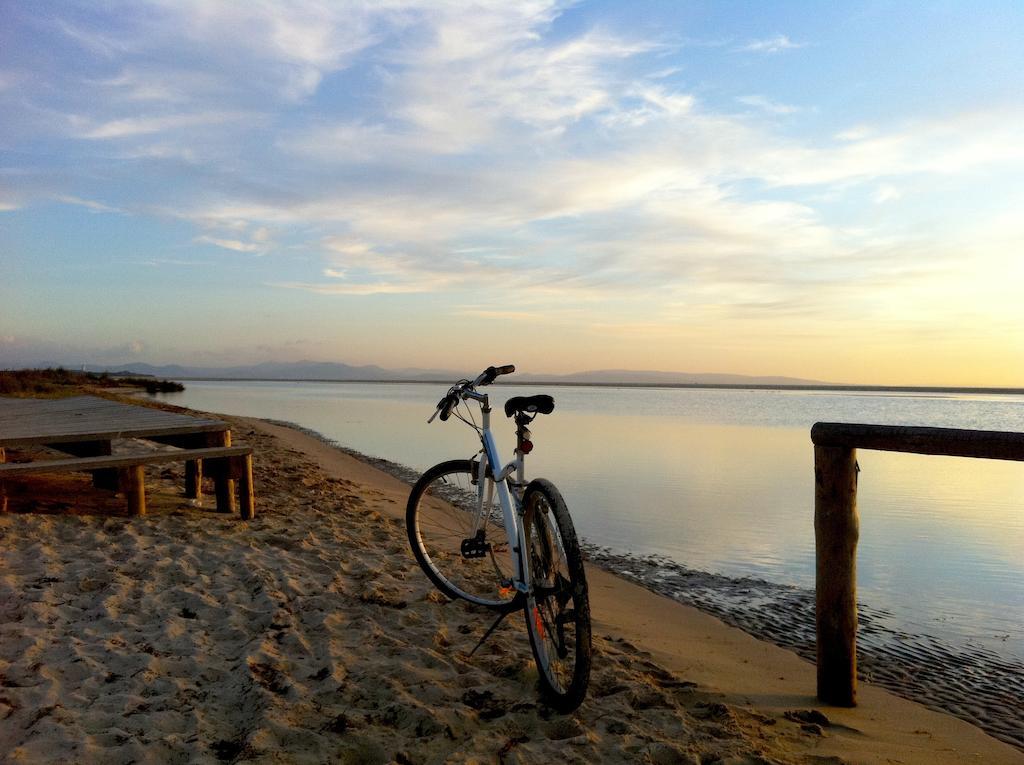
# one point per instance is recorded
(440, 517)
(558, 606)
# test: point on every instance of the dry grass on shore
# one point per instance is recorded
(60, 383)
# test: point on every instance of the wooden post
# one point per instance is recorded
(3, 491)
(836, 530)
(133, 485)
(245, 491)
(224, 486)
(194, 479)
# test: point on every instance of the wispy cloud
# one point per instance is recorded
(230, 244)
(768, 105)
(135, 126)
(363, 288)
(89, 204)
(770, 45)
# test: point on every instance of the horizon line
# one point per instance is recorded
(841, 387)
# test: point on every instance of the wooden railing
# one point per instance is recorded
(836, 527)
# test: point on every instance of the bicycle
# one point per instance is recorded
(519, 552)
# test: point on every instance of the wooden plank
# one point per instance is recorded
(954, 442)
(82, 464)
(74, 417)
(68, 435)
(53, 418)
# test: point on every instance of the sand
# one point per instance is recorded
(310, 635)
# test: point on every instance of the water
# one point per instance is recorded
(722, 481)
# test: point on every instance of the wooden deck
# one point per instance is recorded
(25, 421)
(87, 427)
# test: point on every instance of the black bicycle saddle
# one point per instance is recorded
(530, 405)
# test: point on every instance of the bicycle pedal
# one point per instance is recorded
(475, 547)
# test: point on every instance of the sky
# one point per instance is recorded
(827, 190)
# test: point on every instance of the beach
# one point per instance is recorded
(310, 635)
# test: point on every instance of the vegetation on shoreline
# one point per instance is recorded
(59, 382)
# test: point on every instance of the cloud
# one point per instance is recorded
(230, 244)
(767, 105)
(943, 146)
(161, 85)
(287, 48)
(156, 262)
(362, 288)
(771, 45)
(89, 204)
(414, 147)
(135, 126)
(658, 214)
(886, 193)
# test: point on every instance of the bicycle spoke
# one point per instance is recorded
(442, 515)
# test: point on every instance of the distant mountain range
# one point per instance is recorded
(327, 370)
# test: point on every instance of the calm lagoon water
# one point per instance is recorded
(722, 481)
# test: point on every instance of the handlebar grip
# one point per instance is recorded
(488, 375)
(445, 406)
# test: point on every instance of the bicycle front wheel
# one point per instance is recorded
(457, 534)
(558, 606)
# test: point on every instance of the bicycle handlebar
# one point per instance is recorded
(458, 391)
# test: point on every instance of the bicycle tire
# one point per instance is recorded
(558, 605)
(439, 516)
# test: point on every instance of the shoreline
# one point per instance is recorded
(970, 683)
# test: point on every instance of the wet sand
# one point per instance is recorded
(310, 635)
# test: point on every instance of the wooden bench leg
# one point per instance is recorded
(194, 479)
(225, 490)
(3, 491)
(224, 487)
(245, 490)
(133, 484)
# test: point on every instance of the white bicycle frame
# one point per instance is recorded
(510, 509)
